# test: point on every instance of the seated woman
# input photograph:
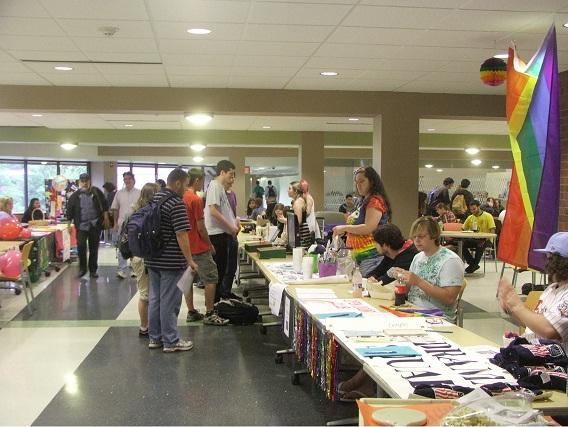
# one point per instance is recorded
(33, 212)
(550, 318)
(436, 274)
(435, 278)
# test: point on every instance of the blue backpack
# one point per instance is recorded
(145, 239)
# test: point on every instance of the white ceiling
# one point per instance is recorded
(375, 45)
(220, 122)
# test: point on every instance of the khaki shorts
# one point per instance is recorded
(207, 268)
(141, 277)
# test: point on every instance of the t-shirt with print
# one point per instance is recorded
(173, 219)
(553, 305)
(194, 208)
(363, 245)
(216, 196)
(443, 269)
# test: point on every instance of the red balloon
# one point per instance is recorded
(12, 267)
(26, 233)
(10, 228)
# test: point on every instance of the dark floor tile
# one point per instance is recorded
(71, 298)
(229, 378)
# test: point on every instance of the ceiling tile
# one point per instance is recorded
(197, 59)
(178, 30)
(99, 9)
(198, 70)
(74, 79)
(25, 8)
(146, 80)
(19, 78)
(212, 47)
(60, 44)
(395, 17)
(100, 44)
(29, 27)
(199, 81)
(269, 61)
(257, 83)
(91, 28)
(302, 14)
(286, 33)
(280, 48)
(199, 10)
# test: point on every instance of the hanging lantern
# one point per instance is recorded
(493, 72)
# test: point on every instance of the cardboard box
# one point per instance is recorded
(272, 252)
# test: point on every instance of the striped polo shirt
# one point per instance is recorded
(174, 219)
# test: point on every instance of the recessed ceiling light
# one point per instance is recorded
(267, 127)
(472, 150)
(439, 170)
(198, 159)
(68, 146)
(329, 73)
(128, 125)
(199, 31)
(430, 129)
(37, 115)
(199, 118)
(501, 56)
(495, 166)
(43, 163)
(197, 147)
(353, 119)
(63, 68)
(476, 162)
(429, 166)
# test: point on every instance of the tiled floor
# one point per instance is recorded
(78, 360)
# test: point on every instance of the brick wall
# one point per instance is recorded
(563, 221)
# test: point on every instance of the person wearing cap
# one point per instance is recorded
(550, 318)
(88, 209)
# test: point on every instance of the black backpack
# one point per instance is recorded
(238, 312)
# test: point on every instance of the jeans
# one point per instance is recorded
(221, 244)
(232, 260)
(90, 238)
(164, 305)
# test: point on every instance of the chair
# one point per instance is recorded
(459, 308)
(531, 302)
(24, 278)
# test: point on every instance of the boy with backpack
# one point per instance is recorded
(166, 261)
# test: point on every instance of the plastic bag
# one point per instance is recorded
(479, 409)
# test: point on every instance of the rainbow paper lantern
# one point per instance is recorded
(493, 72)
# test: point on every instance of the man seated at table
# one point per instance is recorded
(434, 279)
(397, 251)
(478, 221)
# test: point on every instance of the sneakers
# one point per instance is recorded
(154, 344)
(194, 316)
(121, 275)
(181, 345)
(214, 319)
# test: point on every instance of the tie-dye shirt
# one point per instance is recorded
(363, 245)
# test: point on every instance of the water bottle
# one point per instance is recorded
(357, 283)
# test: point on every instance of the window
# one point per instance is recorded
(37, 174)
(12, 183)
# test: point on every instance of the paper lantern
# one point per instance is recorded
(59, 183)
(493, 72)
(10, 228)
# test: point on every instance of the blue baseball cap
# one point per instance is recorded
(557, 244)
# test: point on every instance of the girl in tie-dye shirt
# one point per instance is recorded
(372, 212)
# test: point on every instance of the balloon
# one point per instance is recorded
(26, 233)
(59, 183)
(3, 261)
(10, 228)
(12, 267)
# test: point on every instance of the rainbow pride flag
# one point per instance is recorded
(533, 117)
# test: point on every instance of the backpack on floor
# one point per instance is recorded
(145, 239)
(238, 312)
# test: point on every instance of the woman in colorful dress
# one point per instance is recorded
(374, 210)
